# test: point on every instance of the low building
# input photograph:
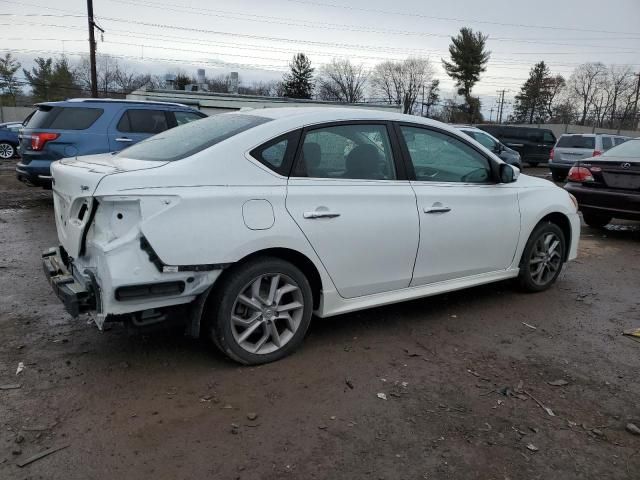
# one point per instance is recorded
(212, 103)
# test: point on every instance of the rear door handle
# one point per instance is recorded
(437, 210)
(321, 214)
(123, 139)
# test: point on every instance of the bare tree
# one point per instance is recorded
(620, 85)
(342, 81)
(585, 84)
(554, 87)
(126, 81)
(402, 82)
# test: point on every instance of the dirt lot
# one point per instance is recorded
(460, 373)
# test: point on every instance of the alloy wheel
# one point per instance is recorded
(546, 258)
(267, 313)
(6, 151)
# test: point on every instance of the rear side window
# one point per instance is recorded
(191, 138)
(277, 154)
(64, 118)
(576, 141)
(619, 140)
(548, 137)
(607, 143)
(143, 121)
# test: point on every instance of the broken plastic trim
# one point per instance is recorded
(161, 289)
(164, 268)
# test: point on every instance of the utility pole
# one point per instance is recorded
(92, 48)
(501, 104)
(490, 114)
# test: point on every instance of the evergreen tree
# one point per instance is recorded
(63, 81)
(40, 78)
(299, 82)
(468, 60)
(531, 102)
(9, 85)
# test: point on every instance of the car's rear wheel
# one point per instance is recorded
(542, 258)
(261, 311)
(7, 151)
(596, 221)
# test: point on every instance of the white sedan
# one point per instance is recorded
(244, 225)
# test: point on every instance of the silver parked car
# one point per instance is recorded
(572, 147)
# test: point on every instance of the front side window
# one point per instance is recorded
(485, 140)
(143, 121)
(629, 149)
(347, 151)
(193, 137)
(437, 157)
(186, 117)
(549, 138)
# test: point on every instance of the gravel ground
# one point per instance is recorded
(465, 377)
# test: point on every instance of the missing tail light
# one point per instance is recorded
(580, 174)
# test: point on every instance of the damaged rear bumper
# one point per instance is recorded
(76, 297)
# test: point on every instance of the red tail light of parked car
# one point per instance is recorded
(39, 139)
(580, 174)
(597, 153)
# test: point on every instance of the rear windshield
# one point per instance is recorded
(64, 118)
(191, 138)
(630, 148)
(577, 141)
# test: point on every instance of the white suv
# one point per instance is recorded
(243, 225)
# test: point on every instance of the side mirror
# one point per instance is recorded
(508, 173)
(498, 148)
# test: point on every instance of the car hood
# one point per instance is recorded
(527, 181)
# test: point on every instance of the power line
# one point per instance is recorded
(321, 25)
(453, 19)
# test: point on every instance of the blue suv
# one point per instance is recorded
(86, 126)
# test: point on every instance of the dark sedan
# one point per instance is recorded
(608, 186)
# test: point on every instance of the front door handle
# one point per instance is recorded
(320, 214)
(437, 210)
(123, 139)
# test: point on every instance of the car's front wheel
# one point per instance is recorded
(7, 151)
(542, 258)
(261, 311)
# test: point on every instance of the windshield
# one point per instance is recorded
(576, 141)
(630, 148)
(192, 137)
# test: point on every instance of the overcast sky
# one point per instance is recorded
(258, 37)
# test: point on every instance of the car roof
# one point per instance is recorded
(310, 115)
(114, 101)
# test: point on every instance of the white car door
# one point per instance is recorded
(469, 225)
(356, 210)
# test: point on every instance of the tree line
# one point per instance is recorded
(594, 95)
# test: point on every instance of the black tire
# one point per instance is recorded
(7, 151)
(558, 176)
(533, 164)
(596, 221)
(527, 279)
(218, 317)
